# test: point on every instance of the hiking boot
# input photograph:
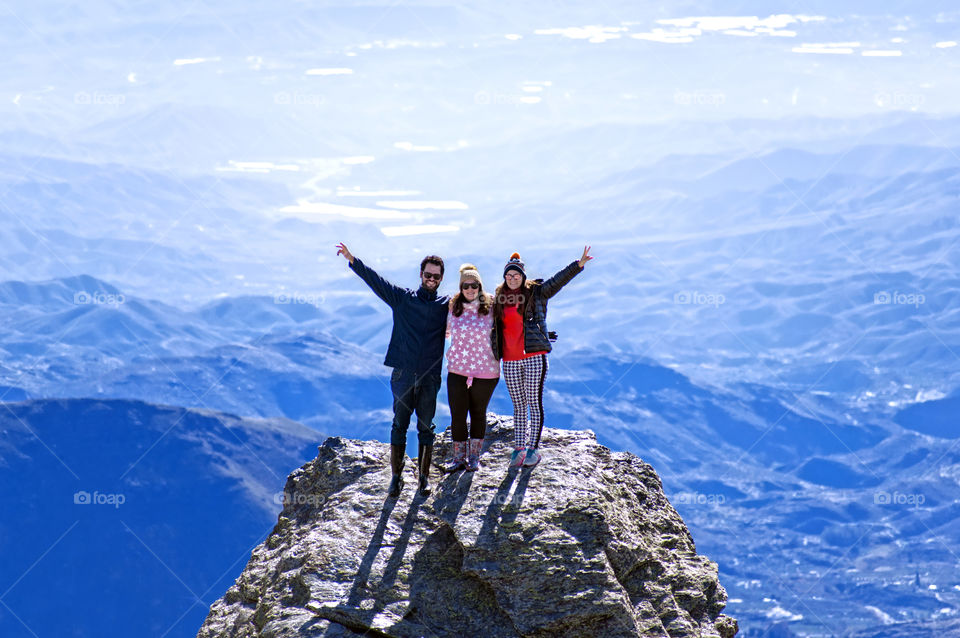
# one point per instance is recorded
(517, 457)
(473, 456)
(423, 461)
(397, 459)
(532, 458)
(459, 460)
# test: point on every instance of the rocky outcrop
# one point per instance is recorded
(585, 544)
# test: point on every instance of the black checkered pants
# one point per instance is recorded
(525, 382)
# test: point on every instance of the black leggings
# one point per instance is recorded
(473, 400)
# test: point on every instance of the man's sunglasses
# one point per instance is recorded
(470, 286)
(432, 275)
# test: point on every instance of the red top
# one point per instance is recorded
(513, 336)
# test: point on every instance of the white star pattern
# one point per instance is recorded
(471, 353)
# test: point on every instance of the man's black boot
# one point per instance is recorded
(423, 461)
(397, 454)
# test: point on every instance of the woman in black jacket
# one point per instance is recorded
(521, 340)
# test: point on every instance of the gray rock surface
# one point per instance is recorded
(584, 544)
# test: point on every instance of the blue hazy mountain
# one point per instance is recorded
(82, 337)
(128, 518)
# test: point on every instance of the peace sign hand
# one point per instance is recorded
(586, 257)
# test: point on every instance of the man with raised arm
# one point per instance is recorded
(416, 355)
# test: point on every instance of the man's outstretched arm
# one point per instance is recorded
(387, 291)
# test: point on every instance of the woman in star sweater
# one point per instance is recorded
(472, 370)
(521, 339)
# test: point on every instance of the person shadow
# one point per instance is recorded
(353, 607)
(492, 525)
(373, 548)
(400, 546)
(360, 587)
(451, 495)
(508, 515)
(448, 500)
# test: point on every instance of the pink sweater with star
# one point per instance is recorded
(471, 353)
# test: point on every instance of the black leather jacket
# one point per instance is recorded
(535, 337)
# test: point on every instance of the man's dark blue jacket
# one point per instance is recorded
(419, 323)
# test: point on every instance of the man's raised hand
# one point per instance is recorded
(342, 250)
